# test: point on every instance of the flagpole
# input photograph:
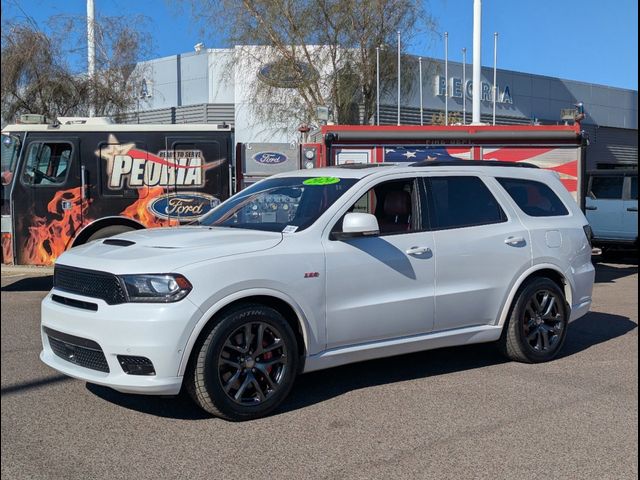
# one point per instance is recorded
(446, 78)
(377, 85)
(464, 86)
(495, 74)
(421, 104)
(398, 77)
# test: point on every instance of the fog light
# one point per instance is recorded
(136, 365)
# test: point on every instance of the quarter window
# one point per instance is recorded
(457, 202)
(534, 198)
(47, 163)
(607, 188)
(633, 194)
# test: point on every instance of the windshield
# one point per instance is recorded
(279, 204)
(10, 146)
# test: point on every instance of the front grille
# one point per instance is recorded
(80, 351)
(89, 283)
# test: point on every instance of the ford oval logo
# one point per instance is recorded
(270, 158)
(286, 74)
(184, 205)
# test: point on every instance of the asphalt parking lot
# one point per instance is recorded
(453, 413)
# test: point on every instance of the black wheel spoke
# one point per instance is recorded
(226, 361)
(248, 337)
(544, 333)
(233, 347)
(550, 305)
(259, 347)
(277, 344)
(243, 387)
(258, 388)
(232, 381)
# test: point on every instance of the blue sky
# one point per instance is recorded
(592, 41)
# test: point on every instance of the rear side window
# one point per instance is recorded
(534, 198)
(633, 194)
(457, 202)
(606, 188)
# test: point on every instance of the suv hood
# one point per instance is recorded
(165, 249)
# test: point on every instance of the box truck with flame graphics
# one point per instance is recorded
(560, 148)
(67, 184)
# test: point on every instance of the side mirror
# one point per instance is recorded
(358, 225)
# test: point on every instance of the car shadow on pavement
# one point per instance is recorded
(316, 387)
(607, 273)
(30, 284)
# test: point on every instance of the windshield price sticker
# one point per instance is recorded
(321, 181)
(290, 229)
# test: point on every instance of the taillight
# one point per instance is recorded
(588, 233)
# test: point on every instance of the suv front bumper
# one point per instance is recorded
(156, 331)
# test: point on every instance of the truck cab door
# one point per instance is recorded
(49, 203)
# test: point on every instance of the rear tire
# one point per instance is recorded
(245, 365)
(537, 326)
(109, 231)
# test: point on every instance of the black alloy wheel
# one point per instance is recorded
(537, 325)
(252, 363)
(543, 320)
(244, 364)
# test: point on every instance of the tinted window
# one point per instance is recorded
(47, 163)
(633, 194)
(534, 198)
(462, 202)
(393, 203)
(606, 187)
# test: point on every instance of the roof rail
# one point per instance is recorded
(359, 166)
(471, 163)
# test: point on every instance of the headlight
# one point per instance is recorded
(165, 288)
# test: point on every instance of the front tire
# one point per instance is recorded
(246, 364)
(537, 326)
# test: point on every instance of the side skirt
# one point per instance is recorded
(402, 345)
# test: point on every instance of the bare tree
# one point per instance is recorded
(43, 71)
(323, 49)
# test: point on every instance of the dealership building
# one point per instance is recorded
(211, 86)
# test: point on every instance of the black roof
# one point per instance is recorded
(471, 163)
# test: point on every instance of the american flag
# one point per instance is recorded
(561, 160)
(418, 154)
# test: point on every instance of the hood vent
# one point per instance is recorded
(118, 243)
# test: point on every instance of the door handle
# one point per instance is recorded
(632, 209)
(590, 208)
(83, 182)
(514, 240)
(417, 250)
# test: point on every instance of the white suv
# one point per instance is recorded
(310, 270)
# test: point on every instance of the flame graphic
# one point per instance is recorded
(49, 237)
(7, 249)
(139, 210)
